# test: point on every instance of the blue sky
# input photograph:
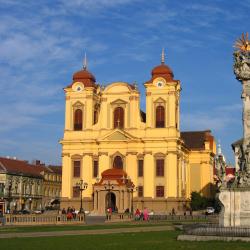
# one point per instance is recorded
(43, 42)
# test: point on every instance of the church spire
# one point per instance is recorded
(219, 151)
(85, 61)
(163, 56)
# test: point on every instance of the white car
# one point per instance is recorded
(210, 210)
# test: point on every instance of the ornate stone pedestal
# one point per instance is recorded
(236, 207)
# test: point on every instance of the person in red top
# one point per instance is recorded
(137, 214)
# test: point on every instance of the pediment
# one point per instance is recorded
(118, 135)
(118, 102)
(160, 100)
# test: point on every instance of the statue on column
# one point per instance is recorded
(242, 73)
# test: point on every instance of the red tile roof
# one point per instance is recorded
(230, 170)
(20, 167)
(196, 139)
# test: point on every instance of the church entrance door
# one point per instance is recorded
(111, 201)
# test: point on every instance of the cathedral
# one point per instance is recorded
(125, 157)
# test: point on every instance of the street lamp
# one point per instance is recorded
(30, 201)
(131, 189)
(109, 187)
(82, 186)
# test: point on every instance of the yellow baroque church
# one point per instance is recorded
(128, 158)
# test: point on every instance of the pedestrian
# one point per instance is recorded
(137, 214)
(173, 211)
(145, 214)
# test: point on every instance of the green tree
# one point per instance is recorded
(197, 201)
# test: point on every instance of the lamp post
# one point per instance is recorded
(30, 201)
(109, 187)
(82, 186)
(132, 189)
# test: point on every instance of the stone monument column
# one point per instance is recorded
(242, 73)
(235, 196)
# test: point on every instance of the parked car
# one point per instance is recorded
(24, 211)
(210, 210)
(38, 212)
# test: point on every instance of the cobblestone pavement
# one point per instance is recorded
(86, 232)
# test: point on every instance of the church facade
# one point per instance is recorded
(127, 158)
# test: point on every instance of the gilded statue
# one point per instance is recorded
(243, 43)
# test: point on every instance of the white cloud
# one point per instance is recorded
(217, 119)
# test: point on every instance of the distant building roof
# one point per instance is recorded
(230, 170)
(55, 169)
(21, 167)
(18, 167)
(195, 140)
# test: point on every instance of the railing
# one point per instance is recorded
(118, 216)
(205, 218)
(34, 219)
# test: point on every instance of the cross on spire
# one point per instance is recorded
(163, 56)
(85, 61)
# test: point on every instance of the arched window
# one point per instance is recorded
(118, 117)
(160, 117)
(78, 119)
(118, 162)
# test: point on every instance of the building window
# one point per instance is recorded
(140, 191)
(77, 168)
(95, 116)
(160, 117)
(160, 167)
(159, 191)
(76, 192)
(118, 163)
(140, 168)
(96, 168)
(118, 117)
(78, 119)
(1, 189)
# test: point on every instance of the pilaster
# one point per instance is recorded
(103, 162)
(67, 176)
(86, 174)
(131, 167)
(149, 175)
(172, 174)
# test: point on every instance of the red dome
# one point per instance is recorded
(85, 77)
(114, 173)
(162, 71)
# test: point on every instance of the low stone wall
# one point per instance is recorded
(180, 217)
(34, 219)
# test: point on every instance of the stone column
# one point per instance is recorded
(149, 110)
(131, 167)
(66, 176)
(68, 113)
(171, 175)
(103, 113)
(149, 175)
(89, 110)
(171, 109)
(86, 174)
(242, 72)
(103, 162)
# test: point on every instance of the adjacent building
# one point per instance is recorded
(27, 186)
(127, 157)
